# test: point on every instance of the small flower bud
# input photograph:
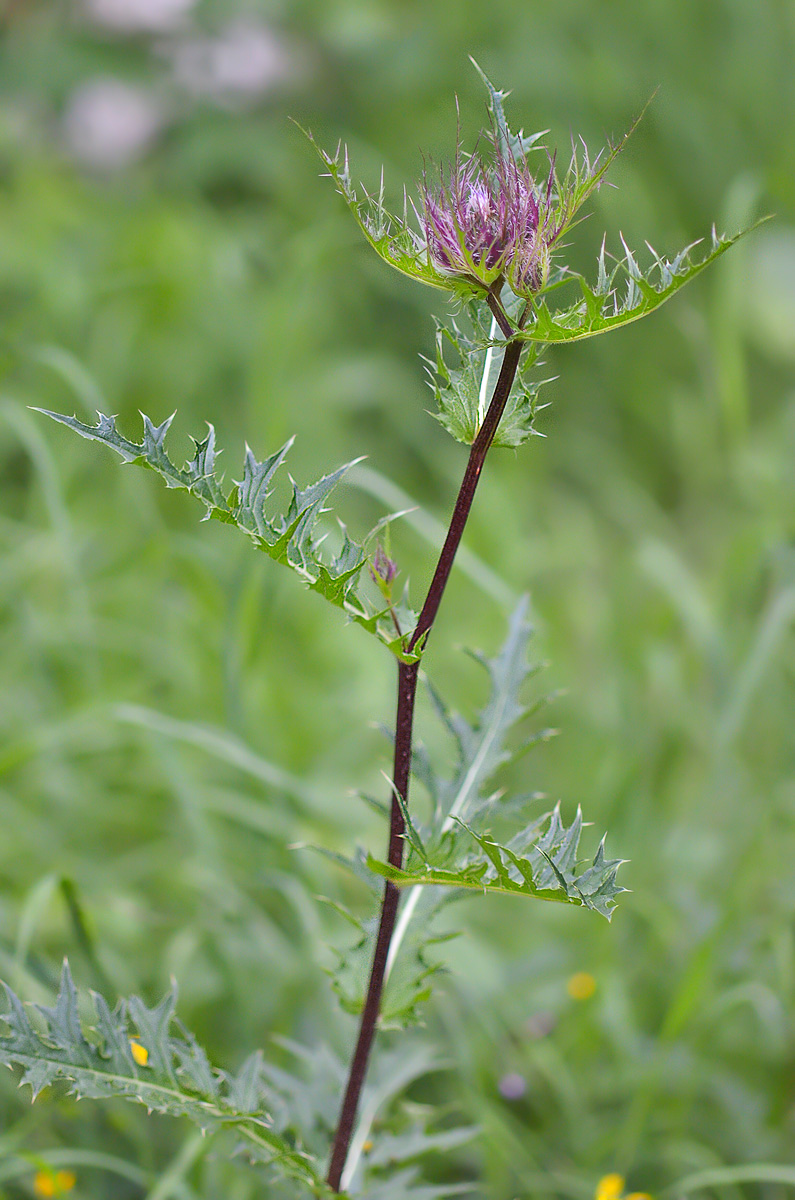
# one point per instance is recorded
(383, 570)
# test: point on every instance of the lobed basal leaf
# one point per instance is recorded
(410, 984)
(169, 1073)
(455, 848)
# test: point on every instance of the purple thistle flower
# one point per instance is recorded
(489, 220)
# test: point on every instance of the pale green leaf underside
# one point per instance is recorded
(177, 1079)
(537, 864)
(480, 748)
(481, 745)
(464, 388)
(409, 984)
(622, 293)
(288, 538)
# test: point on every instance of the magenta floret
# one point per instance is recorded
(487, 220)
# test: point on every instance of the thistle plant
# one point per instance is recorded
(489, 229)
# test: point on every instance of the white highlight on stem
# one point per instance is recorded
(359, 1139)
(484, 383)
(404, 920)
(407, 912)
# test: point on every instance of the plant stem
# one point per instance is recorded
(404, 720)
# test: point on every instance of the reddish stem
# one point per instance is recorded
(407, 690)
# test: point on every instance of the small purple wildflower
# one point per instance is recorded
(489, 220)
(512, 1086)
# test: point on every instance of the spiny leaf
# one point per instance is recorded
(409, 976)
(464, 390)
(288, 538)
(518, 144)
(605, 306)
(390, 235)
(480, 750)
(455, 849)
(176, 1077)
(549, 872)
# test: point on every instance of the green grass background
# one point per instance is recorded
(654, 529)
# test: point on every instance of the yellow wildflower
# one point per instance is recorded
(581, 986)
(53, 1183)
(609, 1187)
(139, 1053)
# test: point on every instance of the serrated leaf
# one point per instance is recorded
(390, 235)
(288, 538)
(177, 1078)
(549, 871)
(621, 295)
(455, 849)
(480, 749)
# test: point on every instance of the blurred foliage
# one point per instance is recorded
(176, 713)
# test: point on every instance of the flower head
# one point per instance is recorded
(487, 227)
(488, 219)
